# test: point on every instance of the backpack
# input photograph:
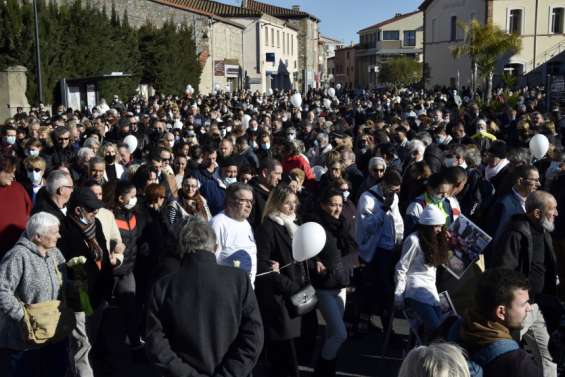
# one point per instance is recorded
(480, 359)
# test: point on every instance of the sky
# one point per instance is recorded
(341, 19)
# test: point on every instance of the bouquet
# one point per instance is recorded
(76, 266)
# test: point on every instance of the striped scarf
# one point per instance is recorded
(89, 233)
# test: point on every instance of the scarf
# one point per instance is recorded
(286, 220)
(89, 233)
(338, 228)
(477, 333)
(492, 172)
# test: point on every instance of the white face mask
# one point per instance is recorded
(230, 180)
(345, 195)
(449, 162)
(10, 140)
(132, 202)
(83, 218)
(33, 153)
(35, 176)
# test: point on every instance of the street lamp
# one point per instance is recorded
(37, 54)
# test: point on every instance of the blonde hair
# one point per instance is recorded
(35, 162)
(298, 175)
(276, 199)
(435, 360)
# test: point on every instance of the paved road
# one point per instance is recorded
(359, 357)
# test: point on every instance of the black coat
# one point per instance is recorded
(515, 251)
(203, 320)
(339, 243)
(43, 203)
(274, 243)
(73, 244)
(131, 225)
(519, 363)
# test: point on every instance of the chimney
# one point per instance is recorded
(296, 7)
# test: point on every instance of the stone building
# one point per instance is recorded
(345, 72)
(540, 24)
(271, 52)
(327, 48)
(401, 35)
(219, 40)
(308, 74)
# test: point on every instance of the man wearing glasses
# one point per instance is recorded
(53, 198)
(526, 181)
(62, 151)
(236, 243)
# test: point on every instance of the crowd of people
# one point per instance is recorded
(181, 211)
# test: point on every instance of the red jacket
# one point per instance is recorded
(16, 207)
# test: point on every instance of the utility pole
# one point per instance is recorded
(37, 54)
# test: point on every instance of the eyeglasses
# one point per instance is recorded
(245, 201)
(378, 170)
(533, 179)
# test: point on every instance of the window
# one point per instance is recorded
(266, 36)
(272, 37)
(391, 35)
(410, 38)
(453, 34)
(557, 16)
(515, 21)
(278, 39)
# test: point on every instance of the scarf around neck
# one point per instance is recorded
(492, 172)
(89, 233)
(478, 333)
(286, 220)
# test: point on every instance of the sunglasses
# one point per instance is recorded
(37, 170)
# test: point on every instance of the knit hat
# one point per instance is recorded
(432, 216)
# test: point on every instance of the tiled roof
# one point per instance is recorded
(389, 21)
(279, 12)
(214, 7)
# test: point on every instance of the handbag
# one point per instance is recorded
(304, 300)
(48, 321)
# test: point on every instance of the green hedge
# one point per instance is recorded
(78, 40)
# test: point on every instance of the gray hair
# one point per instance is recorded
(425, 138)
(196, 234)
(519, 155)
(417, 145)
(538, 200)
(39, 223)
(374, 161)
(56, 180)
(85, 154)
(437, 359)
(90, 142)
(96, 160)
(233, 190)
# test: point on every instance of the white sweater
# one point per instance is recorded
(414, 278)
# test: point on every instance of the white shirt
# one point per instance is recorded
(414, 278)
(233, 235)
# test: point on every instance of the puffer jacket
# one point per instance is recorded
(130, 224)
(26, 277)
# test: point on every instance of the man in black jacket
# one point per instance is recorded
(223, 335)
(526, 246)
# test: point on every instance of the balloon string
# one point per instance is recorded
(270, 272)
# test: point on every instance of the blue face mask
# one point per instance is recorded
(266, 146)
(230, 180)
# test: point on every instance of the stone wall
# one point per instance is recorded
(13, 85)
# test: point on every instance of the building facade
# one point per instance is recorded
(308, 75)
(345, 72)
(540, 24)
(219, 41)
(402, 35)
(327, 47)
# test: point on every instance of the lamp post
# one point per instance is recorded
(37, 54)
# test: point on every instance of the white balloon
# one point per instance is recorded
(331, 92)
(318, 171)
(296, 100)
(189, 89)
(131, 142)
(217, 87)
(308, 240)
(539, 145)
(327, 103)
(338, 86)
(270, 91)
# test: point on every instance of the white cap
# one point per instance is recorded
(432, 216)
